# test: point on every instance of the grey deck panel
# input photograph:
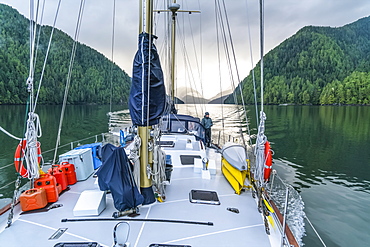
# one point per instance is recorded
(230, 229)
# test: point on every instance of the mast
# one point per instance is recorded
(146, 156)
(173, 7)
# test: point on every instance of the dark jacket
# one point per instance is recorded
(207, 122)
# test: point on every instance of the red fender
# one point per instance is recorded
(19, 155)
(268, 161)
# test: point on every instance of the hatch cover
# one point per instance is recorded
(204, 197)
(189, 159)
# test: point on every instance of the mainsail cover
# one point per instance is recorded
(115, 175)
(140, 90)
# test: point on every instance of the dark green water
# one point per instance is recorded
(323, 151)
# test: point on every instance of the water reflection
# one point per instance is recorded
(322, 142)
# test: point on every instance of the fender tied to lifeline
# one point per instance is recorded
(268, 161)
(19, 157)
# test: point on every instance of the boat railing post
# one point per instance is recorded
(219, 137)
(96, 138)
(285, 215)
(71, 145)
(272, 180)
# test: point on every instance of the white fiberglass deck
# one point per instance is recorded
(229, 229)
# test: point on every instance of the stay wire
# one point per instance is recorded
(112, 54)
(236, 68)
(196, 60)
(262, 47)
(227, 54)
(219, 70)
(73, 54)
(226, 49)
(189, 70)
(47, 53)
(252, 63)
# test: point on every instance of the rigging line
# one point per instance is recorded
(46, 55)
(187, 62)
(32, 35)
(39, 32)
(227, 53)
(314, 229)
(10, 135)
(233, 52)
(3, 167)
(219, 70)
(190, 73)
(71, 61)
(262, 43)
(236, 67)
(252, 63)
(38, 39)
(6, 185)
(31, 40)
(34, 52)
(201, 47)
(196, 58)
(33, 30)
(111, 66)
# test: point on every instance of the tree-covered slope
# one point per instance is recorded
(317, 65)
(91, 76)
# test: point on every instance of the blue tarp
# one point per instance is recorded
(138, 101)
(115, 175)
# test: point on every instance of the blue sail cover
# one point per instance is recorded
(115, 175)
(138, 101)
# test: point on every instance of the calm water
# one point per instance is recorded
(322, 151)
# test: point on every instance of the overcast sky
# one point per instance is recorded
(283, 18)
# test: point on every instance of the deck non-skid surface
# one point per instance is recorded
(229, 229)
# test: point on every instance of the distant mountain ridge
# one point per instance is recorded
(190, 96)
(220, 97)
(92, 73)
(317, 65)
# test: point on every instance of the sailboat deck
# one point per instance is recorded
(245, 228)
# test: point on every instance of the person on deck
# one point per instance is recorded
(207, 123)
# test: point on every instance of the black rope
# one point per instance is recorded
(142, 220)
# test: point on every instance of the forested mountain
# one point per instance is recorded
(92, 72)
(317, 65)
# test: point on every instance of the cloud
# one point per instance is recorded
(283, 18)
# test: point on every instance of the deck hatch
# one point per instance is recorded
(168, 245)
(204, 197)
(189, 159)
(170, 144)
(58, 233)
(78, 244)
